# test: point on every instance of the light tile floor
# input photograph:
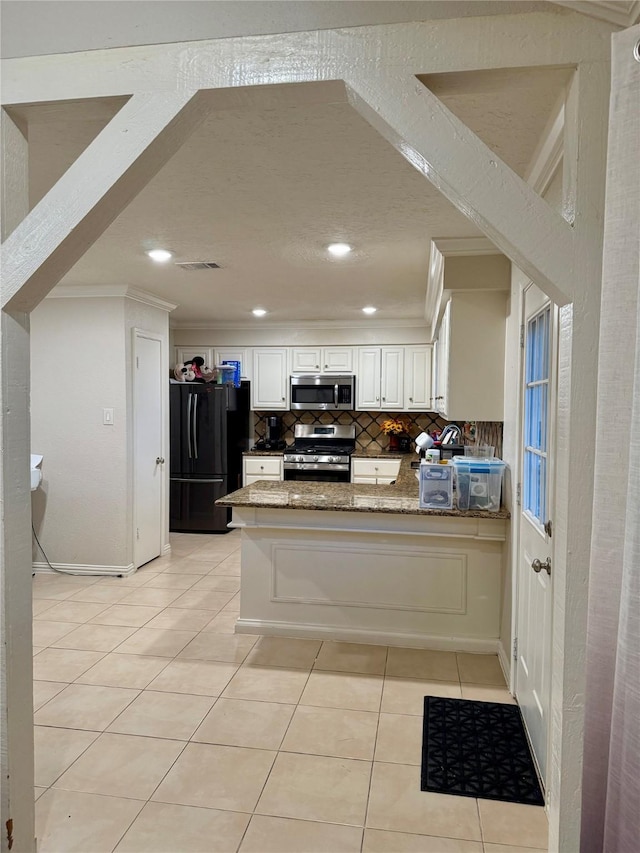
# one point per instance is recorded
(159, 729)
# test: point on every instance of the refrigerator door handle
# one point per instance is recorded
(195, 426)
(191, 480)
(189, 404)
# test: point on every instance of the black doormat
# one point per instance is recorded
(477, 749)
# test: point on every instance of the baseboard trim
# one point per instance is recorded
(76, 569)
(369, 637)
(505, 662)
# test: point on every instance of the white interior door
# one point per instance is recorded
(535, 574)
(148, 458)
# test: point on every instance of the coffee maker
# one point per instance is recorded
(273, 435)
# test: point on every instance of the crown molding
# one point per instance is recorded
(622, 14)
(123, 291)
(450, 246)
(301, 325)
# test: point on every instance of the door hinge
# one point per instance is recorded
(548, 528)
(137, 362)
(515, 648)
(522, 336)
(9, 828)
(137, 532)
(518, 493)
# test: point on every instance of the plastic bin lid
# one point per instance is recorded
(479, 466)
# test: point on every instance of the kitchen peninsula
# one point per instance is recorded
(363, 563)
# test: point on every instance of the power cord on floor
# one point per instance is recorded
(53, 568)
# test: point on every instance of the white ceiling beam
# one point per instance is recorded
(464, 44)
(474, 179)
(119, 162)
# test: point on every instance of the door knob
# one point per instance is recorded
(159, 460)
(537, 566)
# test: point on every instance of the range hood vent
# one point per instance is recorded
(198, 265)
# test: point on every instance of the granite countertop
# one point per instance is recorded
(358, 454)
(400, 497)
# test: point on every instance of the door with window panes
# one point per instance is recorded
(535, 578)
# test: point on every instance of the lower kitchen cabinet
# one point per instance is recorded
(380, 472)
(261, 468)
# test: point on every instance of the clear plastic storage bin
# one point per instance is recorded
(436, 486)
(478, 483)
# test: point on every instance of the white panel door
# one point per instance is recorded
(337, 360)
(235, 355)
(270, 386)
(417, 378)
(535, 578)
(187, 353)
(368, 378)
(306, 360)
(148, 460)
(392, 378)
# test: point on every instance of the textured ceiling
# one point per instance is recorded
(263, 191)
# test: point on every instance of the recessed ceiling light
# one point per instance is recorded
(369, 309)
(339, 250)
(259, 312)
(161, 256)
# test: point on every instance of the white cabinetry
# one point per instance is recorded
(270, 385)
(469, 360)
(188, 353)
(379, 472)
(232, 354)
(379, 381)
(261, 468)
(417, 378)
(322, 360)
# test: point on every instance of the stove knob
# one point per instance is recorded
(315, 458)
(333, 459)
(300, 458)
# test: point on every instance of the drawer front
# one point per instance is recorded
(376, 468)
(263, 465)
(255, 478)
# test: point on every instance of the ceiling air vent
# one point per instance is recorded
(198, 265)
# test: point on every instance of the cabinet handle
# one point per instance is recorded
(262, 467)
(318, 366)
(377, 399)
(326, 367)
(384, 399)
(411, 399)
(282, 398)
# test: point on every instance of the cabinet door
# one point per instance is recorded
(187, 353)
(392, 378)
(270, 386)
(368, 378)
(441, 372)
(240, 355)
(337, 360)
(417, 378)
(306, 360)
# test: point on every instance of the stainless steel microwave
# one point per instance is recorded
(324, 393)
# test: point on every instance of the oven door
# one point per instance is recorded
(317, 473)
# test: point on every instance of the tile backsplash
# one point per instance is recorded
(368, 433)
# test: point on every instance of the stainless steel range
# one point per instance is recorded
(321, 453)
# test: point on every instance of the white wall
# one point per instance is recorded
(477, 272)
(81, 351)
(303, 334)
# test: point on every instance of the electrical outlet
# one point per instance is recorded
(107, 417)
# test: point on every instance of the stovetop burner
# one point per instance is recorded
(321, 449)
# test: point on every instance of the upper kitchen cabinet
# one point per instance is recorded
(322, 360)
(188, 353)
(417, 378)
(469, 357)
(240, 355)
(380, 378)
(270, 383)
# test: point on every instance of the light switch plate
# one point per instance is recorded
(107, 417)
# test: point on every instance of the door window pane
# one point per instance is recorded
(536, 413)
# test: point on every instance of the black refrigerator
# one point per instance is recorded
(209, 430)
